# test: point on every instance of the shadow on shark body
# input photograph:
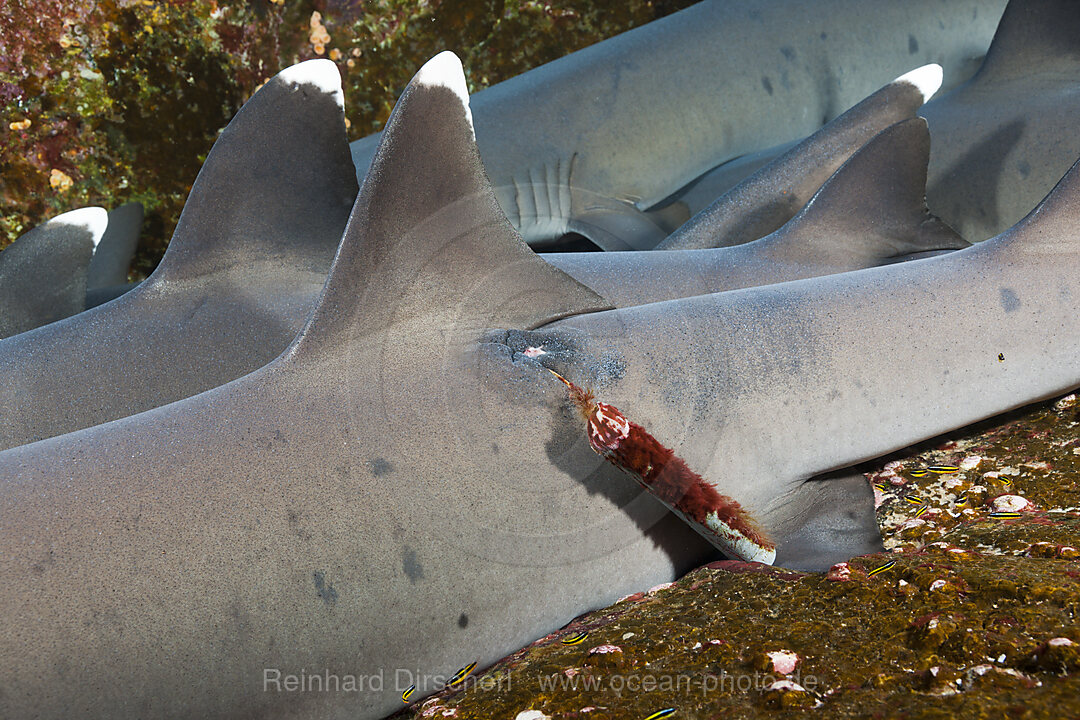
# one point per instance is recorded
(391, 493)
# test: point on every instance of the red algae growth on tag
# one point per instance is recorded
(628, 446)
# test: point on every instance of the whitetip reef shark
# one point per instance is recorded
(407, 489)
(591, 142)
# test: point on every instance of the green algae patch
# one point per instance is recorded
(965, 615)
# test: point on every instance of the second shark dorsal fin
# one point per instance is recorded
(43, 273)
(875, 204)
(276, 186)
(111, 260)
(1033, 36)
(427, 238)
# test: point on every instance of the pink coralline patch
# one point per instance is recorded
(632, 597)
(786, 686)
(783, 661)
(970, 462)
(879, 497)
(898, 480)
(1011, 503)
(1059, 642)
(605, 649)
(840, 572)
(662, 586)
(534, 352)
(571, 672)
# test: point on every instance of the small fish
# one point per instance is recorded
(1006, 482)
(882, 568)
(943, 469)
(1006, 515)
(914, 499)
(575, 639)
(880, 486)
(917, 472)
(962, 501)
(922, 511)
(462, 674)
(408, 693)
(1001, 357)
(666, 712)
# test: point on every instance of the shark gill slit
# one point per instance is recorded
(629, 447)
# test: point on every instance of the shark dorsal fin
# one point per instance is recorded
(276, 186)
(876, 202)
(1033, 36)
(43, 273)
(427, 241)
(113, 254)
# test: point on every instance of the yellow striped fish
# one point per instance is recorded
(666, 712)
(462, 674)
(880, 486)
(917, 472)
(1006, 515)
(944, 469)
(575, 639)
(914, 499)
(962, 501)
(922, 511)
(882, 568)
(408, 693)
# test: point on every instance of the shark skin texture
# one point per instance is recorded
(1003, 139)
(872, 211)
(406, 488)
(590, 142)
(244, 268)
(43, 274)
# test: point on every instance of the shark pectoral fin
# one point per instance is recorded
(276, 186)
(112, 257)
(43, 273)
(617, 225)
(825, 520)
(427, 245)
(874, 207)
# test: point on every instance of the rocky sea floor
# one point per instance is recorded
(972, 611)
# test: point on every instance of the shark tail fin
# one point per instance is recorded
(43, 273)
(878, 199)
(1033, 33)
(427, 242)
(277, 185)
(112, 258)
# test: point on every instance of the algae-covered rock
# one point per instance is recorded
(965, 615)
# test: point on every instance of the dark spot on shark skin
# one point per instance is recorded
(411, 565)
(380, 466)
(293, 517)
(824, 36)
(463, 621)
(1009, 300)
(912, 45)
(324, 589)
(789, 52)
(495, 448)
(1024, 167)
(767, 84)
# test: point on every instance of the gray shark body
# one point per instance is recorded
(245, 265)
(405, 490)
(592, 141)
(1004, 138)
(43, 274)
